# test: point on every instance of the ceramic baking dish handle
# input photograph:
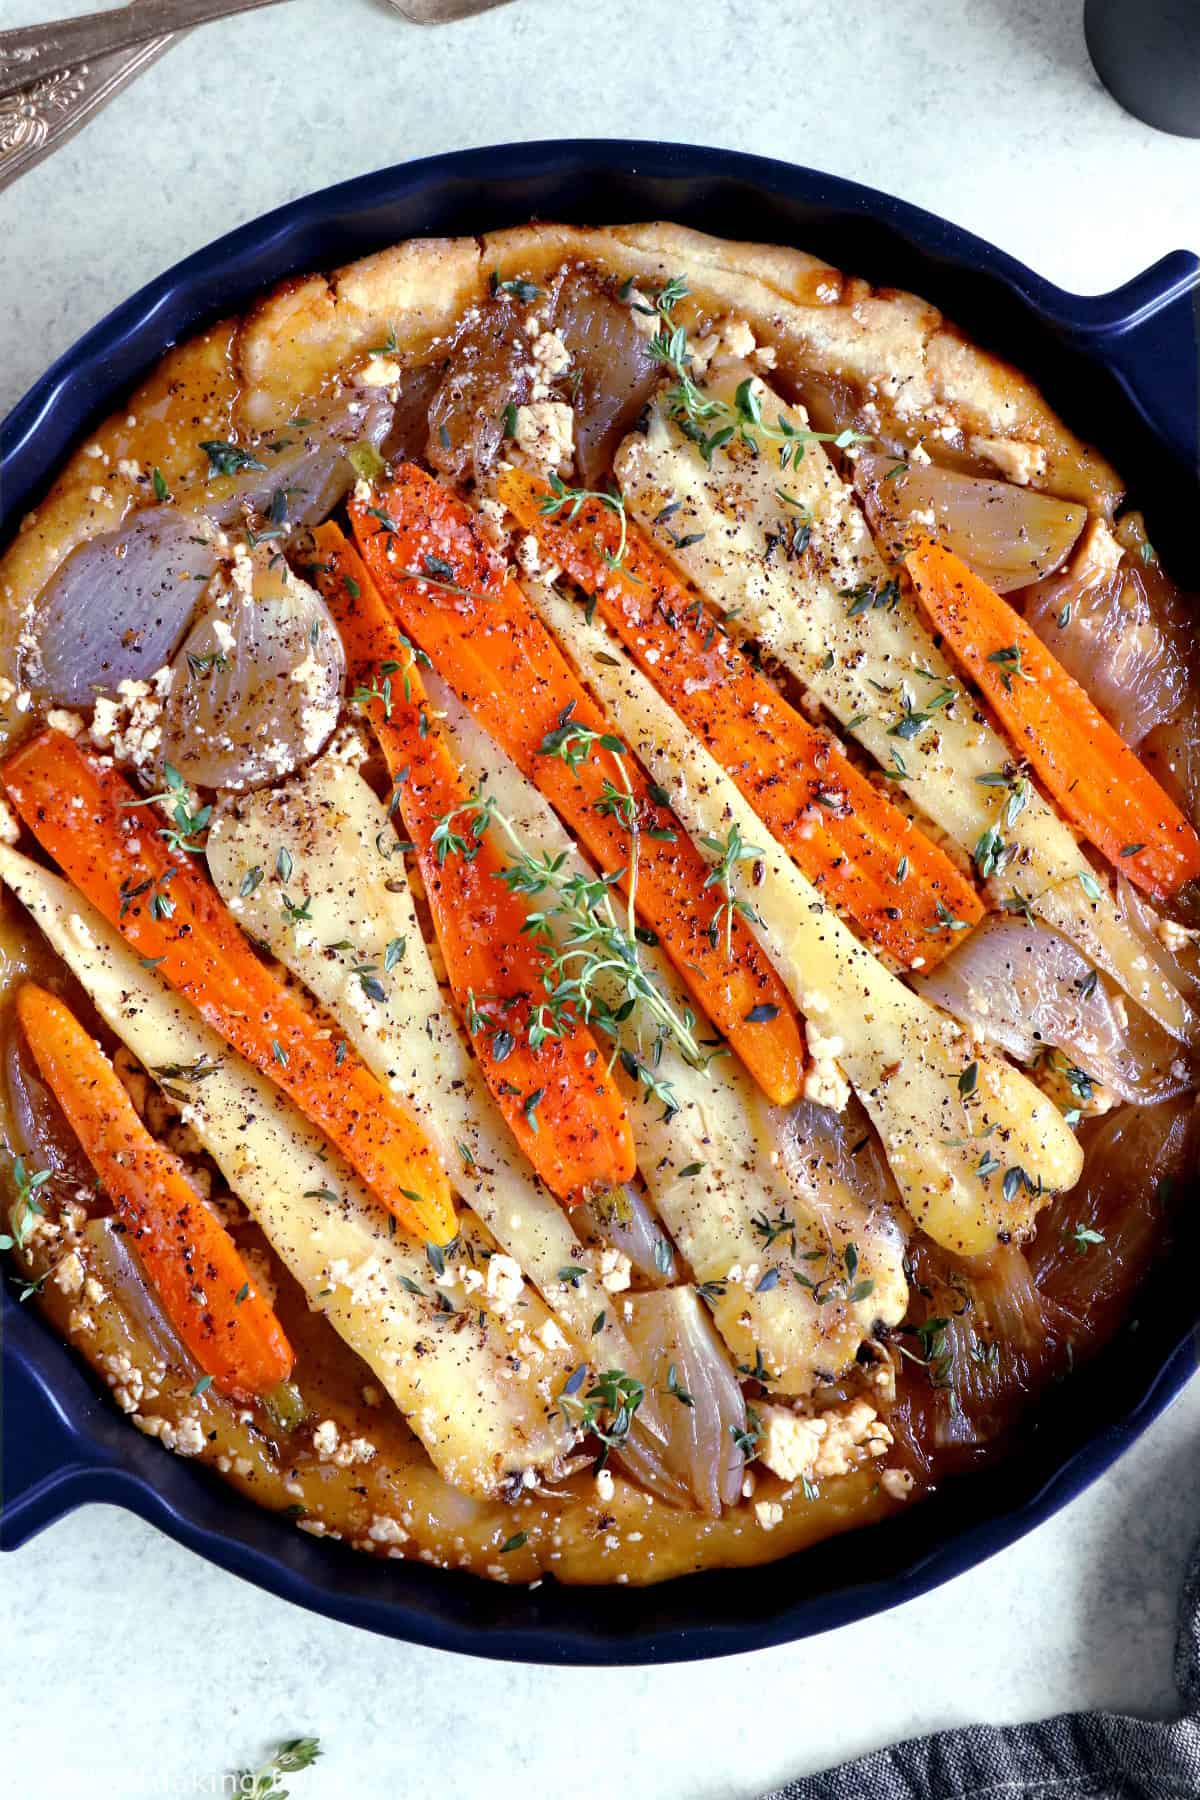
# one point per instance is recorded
(1151, 341)
(46, 1467)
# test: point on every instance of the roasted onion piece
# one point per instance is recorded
(307, 469)
(257, 684)
(1009, 535)
(612, 371)
(1094, 1243)
(119, 606)
(42, 1135)
(697, 1392)
(1120, 627)
(830, 1156)
(980, 1338)
(486, 371)
(625, 1220)
(1027, 989)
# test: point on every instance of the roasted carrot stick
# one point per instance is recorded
(560, 1101)
(83, 814)
(1105, 791)
(847, 837)
(206, 1290)
(428, 557)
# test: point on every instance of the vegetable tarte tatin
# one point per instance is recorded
(599, 855)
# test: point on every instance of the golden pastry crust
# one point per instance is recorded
(900, 360)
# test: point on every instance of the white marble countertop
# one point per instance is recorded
(131, 1668)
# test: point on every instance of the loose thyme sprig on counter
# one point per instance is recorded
(696, 413)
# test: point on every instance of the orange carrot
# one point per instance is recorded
(848, 838)
(1105, 791)
(559, 1098)
(428, 556)
(206, 1290)
(82, 813)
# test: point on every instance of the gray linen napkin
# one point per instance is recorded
(1079, 1756)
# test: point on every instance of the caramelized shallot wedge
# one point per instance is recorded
(486, 372)
(699, 1397)
(625, 1221)
(979, 1339)
(1009, 535)
(1120, 627)
(1026, 989)
(612, 370)
(257, 684)
(1094, 1245)
(118, 607)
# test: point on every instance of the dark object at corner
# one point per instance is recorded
(1147, 54)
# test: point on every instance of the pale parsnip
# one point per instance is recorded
(483, 1408)
(727, 530)
(713, 1168)
(328, 822)
(907, 1062)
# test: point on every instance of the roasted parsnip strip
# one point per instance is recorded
(87, 817)
(437, 571)
(975, 1147)
(844, 628)
(454, 1380)
(794, 1303)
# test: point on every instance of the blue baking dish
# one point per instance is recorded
(1124, 370)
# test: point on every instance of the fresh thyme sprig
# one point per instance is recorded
(710, 422)
(187, 833)
(576, 499)
(27, 1206)
(607, 1408)
(589, 947)
(730, 851)
(288, 1759)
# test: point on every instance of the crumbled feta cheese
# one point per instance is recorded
(605, 1486)
(820, 1445)
(824, 1083)
(380, 372)
(898, 1483)
(383, 1530)
(68, 1273)
(325, 1440)
(545, 431)
(504, 1280)
(1173, 937)
(615, 1271)
(131, 725)
(69, 723)
(551, 354)
(10, 830)
(1017, 461)
(769, 1514)
(552, 1337)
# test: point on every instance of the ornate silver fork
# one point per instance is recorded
(54, 77)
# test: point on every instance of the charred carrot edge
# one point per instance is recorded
(1105, 791)
(430, 561)
(576, 1133)
(83, 814)
(848, 838)
(206, 1290)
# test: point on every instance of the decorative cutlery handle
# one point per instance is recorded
(39, 118)
(33, 52)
